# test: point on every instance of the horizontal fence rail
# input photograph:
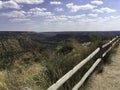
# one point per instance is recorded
(107, 47)
(77, 86)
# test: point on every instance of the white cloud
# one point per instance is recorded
(24, 15)
(108, 10)
(37, 9)
(9, 4)
(63, 18)
(59, 9)
(55, 19)
(97, 2)
(93, 15)
(98, 11)
(0, 4)
(38, 12)
(76, 16)
(83, 24)
(20, 20)
(55, 2)
(75, 8)
(103, 10)
(14, 14)
(29, 1)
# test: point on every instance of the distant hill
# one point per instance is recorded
(55, 37)
(83, 33)
(80, 36)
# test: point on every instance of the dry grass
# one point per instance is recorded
(20, 76)
(59, 64)
(25, 72)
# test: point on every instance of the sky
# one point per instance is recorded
(59, 15)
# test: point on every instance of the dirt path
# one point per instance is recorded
(109, 79)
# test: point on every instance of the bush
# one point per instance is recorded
(95, 37)
(65, 49)
(58, 65)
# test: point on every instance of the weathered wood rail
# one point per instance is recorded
(102, 50)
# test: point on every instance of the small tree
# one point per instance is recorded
(65, 49)
(95, 37)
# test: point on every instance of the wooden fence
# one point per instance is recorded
(102, 50)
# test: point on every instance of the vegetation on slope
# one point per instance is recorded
(27, 61)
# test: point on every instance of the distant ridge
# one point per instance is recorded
(84, 32)
(63, 32)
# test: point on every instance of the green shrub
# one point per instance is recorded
(58, 65)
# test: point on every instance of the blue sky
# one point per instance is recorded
(59, 15)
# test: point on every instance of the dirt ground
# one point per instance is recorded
(109, 79)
